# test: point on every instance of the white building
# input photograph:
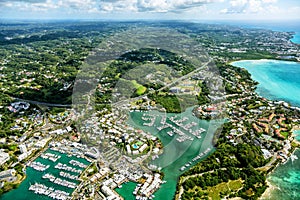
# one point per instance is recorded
(128, 149)
(266, 153)
(22, 156)
(23, 148)
(4, 157)
(110, 195)
(143, 148)
(4, 175)
(42, 143)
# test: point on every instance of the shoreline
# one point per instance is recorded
(266, 195)
(271, 188)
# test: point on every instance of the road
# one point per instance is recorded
(44, 103)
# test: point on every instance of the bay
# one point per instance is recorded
(278, 80)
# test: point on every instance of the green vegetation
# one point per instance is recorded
(227, 163)
(140, 89)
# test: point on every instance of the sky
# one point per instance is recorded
(151, 9)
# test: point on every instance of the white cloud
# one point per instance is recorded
(249, 6)
(108, 5)
(237, 3)
(255, 6)
(269, 1)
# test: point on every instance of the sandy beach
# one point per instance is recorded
(267, 193)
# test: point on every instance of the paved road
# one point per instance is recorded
(44, 103)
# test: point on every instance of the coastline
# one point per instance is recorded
(268, 191)
(271, 188)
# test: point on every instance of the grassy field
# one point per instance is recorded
(140, 89)
(214, 193)
(284, 134)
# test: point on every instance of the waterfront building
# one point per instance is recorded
(109, 193)
(22, 156)
(42, 143)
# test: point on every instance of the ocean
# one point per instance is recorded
(278, 80)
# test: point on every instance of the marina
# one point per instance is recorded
(77, 163)
(59, 181)
(182, 127)
(186, 139)
(196, 158)
(67, 168)
(68, 175)
(38, 166)
(50, 156)
(45, 182)
(41, 189)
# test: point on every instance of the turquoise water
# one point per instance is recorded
(176, 154)
(297, 133)
(286, 179)
(296, 38)
(126, 190)
(278, 80)
(33, 176)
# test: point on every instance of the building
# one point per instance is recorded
(4, 157)
(22, 156)
(22, 148)
(110, 195)
(42, 143)
(8, 174)
(128, 149)
(266, 153)
(93, 153)
(143, 148)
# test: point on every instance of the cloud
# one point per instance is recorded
(47, 5)
(108, 5)
(153, 5)
(269, 1)
(248, 6)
